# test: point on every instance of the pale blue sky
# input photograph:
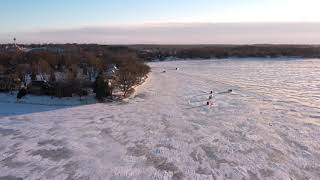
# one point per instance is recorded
(37, 16)
(22, 15)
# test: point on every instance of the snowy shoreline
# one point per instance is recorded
(11, 97)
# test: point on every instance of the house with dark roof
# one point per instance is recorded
(39, 87)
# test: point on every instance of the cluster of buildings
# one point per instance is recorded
(14, 47)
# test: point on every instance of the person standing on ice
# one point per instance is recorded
(210, 97)
(209, 103)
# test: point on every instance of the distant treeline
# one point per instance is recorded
(57, 57)
(161, 52)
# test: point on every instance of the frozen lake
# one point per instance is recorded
(267, 128)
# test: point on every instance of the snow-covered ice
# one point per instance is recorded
(267, 128)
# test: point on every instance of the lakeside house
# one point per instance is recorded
(39, 87)
(111, 71)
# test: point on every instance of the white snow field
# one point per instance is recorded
(267, 128)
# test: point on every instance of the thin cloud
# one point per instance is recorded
(181, 33)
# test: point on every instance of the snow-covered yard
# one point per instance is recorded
(268, 128)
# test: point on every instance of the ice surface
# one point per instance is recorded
(267, 128)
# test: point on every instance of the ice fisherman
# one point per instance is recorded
(210, 97)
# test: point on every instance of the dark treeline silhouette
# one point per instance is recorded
(160, 52)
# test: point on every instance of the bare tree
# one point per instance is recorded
(43, 67)
(126, 79)
(23, 70)
(2, 69)
(52, 78)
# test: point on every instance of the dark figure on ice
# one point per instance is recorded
(22, 92)
(226, 92)
(210, 97)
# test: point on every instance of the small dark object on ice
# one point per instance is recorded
(177, 69)
(210, 97)
(22, 92)
(211, 92)
(164, 71)
(226, 92)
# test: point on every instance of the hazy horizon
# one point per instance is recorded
(165, 22)
(178, 33)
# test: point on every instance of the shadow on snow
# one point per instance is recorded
(9, 106)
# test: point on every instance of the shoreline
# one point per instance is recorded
(10, 97)
(137, 87)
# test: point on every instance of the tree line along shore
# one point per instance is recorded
(70, 70)
(162, 52)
